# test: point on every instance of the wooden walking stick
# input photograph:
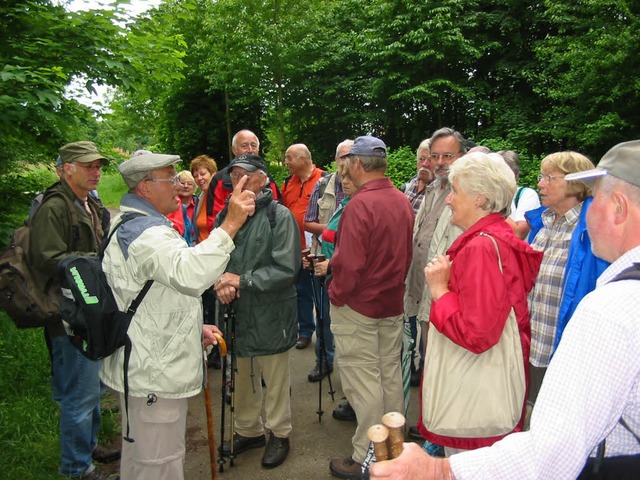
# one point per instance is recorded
(207, 401)
(394, 421)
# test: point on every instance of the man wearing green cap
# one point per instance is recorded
(56, 232)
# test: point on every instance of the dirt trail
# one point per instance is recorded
(313, 443)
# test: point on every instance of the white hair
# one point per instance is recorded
(485, 175)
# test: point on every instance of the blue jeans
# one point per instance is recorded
(304, 288)
(78, 388)
(326, 323)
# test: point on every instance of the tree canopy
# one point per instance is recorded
(535, 77)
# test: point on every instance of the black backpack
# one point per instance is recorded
(89, 307)
(98, 326)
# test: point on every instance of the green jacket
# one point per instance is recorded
(53, 236)
(267, 261)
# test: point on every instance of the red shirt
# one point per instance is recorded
(373, 251)
(295, 196)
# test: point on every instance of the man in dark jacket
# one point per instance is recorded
(260, 279)
(57, 233)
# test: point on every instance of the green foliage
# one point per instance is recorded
(28, 415)
(111, 189)
(401, 165)
(18, 187)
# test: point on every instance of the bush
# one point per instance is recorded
(401, 166)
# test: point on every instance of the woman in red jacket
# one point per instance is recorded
(472, 297)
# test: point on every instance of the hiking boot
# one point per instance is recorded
(302, 343)
(276, 452)
(344, 412)
(345, 468)
(241, 444)
(318, 374)
(105, 455)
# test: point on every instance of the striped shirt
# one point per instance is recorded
(546, 296)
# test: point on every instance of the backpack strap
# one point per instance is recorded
(271, 213)
(518, 195)
(71, 208)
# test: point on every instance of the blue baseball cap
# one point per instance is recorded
(367, 146)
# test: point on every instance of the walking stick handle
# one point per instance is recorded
(394, 421)
(378, 435)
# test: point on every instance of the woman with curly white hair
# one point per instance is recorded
(479, 292)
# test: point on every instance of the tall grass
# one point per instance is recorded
(29, 418)
(111, 189)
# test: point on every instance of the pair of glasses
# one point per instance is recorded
(237, 175)
(173, 180)
(547, 178)
(444, 156)
(95, 168)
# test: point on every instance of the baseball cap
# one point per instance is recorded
(622, 161)
(249, 162)
(81, 152)
(368, 146)
(135, 169)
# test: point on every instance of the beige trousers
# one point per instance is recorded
(248, 395)
(158, 430)
(368, 358)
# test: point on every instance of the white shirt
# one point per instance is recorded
(528, 200)
(592, 381)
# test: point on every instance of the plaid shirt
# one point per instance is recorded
(546, 296)
(313, 212)
(412, 193)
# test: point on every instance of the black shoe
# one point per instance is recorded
(414, 433)
(105, 455)
(344, 412)
(318, 374)
(276, 452)
(416, 377)
(241, 444)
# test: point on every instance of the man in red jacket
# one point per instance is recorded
(296, 192)
(369, 267)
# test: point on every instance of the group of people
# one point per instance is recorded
(447, 257)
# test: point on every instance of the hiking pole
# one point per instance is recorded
(324, 361)
(221, 460)
(232, 382)
(207, 401)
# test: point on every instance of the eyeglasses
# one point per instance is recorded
(187, 183)
(95, 168)
(547, 178)
(237, 175)
(444, 156)
(173, 180)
